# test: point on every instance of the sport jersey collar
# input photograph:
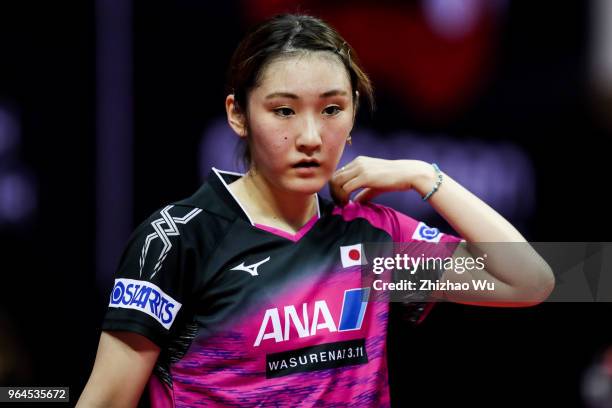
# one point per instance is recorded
(219, 181)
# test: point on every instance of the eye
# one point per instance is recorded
(332, 110)
(283, 112)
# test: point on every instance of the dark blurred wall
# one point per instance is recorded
(47, 290)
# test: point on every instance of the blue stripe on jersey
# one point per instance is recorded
(353, 308)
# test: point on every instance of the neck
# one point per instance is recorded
(270, 206)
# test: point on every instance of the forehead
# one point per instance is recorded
(315, 73)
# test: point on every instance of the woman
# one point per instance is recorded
(249, 293)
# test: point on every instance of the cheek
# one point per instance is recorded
(334, 153)
(337, 134)
(269, 139)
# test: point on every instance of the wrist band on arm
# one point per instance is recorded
(438, 182)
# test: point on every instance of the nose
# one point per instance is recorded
(309, 138)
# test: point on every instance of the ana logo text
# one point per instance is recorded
(277, 325)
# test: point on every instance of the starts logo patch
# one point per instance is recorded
(144, 297)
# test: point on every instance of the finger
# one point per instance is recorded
(353, 184)
(334, 190)
(340, 196)
(340, 191)
(366, 195)
(337, 184)
(344, 173)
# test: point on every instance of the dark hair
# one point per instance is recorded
(288, 34)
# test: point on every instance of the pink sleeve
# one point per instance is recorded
(405, 229)
(401, 227)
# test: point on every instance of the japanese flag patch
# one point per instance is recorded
(352, 255)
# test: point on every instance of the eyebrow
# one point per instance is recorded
(289, 95)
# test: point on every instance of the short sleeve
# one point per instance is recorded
(153, 280)
(416, 237)
(404, 228)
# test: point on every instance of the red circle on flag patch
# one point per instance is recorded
(354, 254)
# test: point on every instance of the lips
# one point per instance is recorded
(307, 164)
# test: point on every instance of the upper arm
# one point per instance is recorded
(451, 278)
(123, 365)
(477, 279)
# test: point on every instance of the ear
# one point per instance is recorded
(355, 105)
(235, 117)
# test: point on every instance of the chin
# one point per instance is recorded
(306, 185)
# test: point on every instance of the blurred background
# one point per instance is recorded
(111, 109)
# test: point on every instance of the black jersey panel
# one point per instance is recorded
(155, 277)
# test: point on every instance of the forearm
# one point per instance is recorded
(518, 266)
(471, 217)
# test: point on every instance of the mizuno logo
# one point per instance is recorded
(252, 269)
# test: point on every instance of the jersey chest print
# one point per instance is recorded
(242, 313)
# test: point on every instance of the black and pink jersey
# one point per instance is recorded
(247, 315)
